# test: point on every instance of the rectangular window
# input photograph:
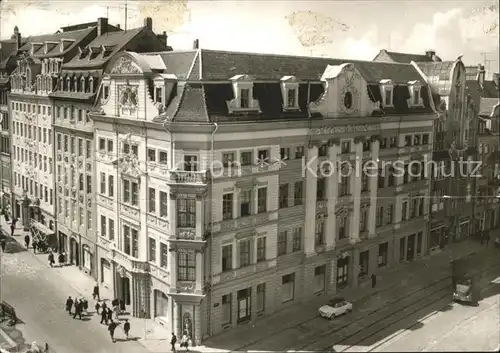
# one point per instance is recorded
(151, 155)
(283, 196)
(364, 261)
(345, 146)
(152, 250)
(244, 98)
(342, 272)
(379, 220)
(126, 239)
(388, 97)
(363, 220)
(287, 287)
(425, 139)
(186, 266)
(111, 185)
(226, 309)
(282, 239)
(102, 144)
(227, 206)
(262, 200)
(297, 239)
(320, 189)
(291, 97)
(135, 243)
(319, 234)
(163, 204)
(402, 249)
(246, 158)
(110, 146)
(420, 236)
(103, 226)
(186, 213)
(383, 250)
(261, 297)
(390, 214)
(152, 200)
(228, 159)
(163, 158)
(345, 187)
(111, 228)
(163, 255)
(416, 96)
(245, 203)
(135, 194)
(319, 278)
(244, 252)
(404, 211)
(227, 258)
(261, 249)
(342, 221)
(298, 193)
(299, 152)
(103, 183)
(126, 191)
(284, 153)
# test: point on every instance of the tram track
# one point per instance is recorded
(441, 301)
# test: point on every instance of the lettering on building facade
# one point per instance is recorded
(325, 130)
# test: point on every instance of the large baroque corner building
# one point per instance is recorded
(484, 95)
(36, 76)
(8, 53)
(77, 93)
(210, 219)
(452, 188)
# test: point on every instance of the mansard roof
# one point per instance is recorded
(406, 58)
(204, 86)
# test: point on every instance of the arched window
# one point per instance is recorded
(91, 84)
(82, 84)
(76, 83)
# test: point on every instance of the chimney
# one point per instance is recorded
(148, 22)
(196, 44)
(480, 74)
(102, 26)
(430, 53)
(496, 78)
(17, 37)
(163, 38)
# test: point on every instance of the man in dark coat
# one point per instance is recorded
(109, 314)
(78, 309)
(126, 328)
(374, 280)
(173, 341)
(27, 241)
(12, 228)
(111, 328)
(4, 245)
(69, 305)
(104, 314)
(95, 292)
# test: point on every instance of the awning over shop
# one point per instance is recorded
(41, 228)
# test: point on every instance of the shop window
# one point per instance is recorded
(226, 309)
(319, 278)
(342, 272)
(244, 305)
(383, 250)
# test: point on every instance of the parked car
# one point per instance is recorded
(336, 307)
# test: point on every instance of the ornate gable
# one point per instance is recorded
(346, 94)
(125, 65)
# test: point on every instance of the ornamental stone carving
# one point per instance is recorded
(188, 234)
(125, 65)
(185, 287)
(128, 99)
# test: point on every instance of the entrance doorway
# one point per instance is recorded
(410, 248)
(161, 304)
(73, 253)
(124, 289)
(63, 242)
(106, 276)
(17, 211)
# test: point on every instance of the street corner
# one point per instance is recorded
(11, 338)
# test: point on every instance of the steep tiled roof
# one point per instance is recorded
(178, 63)
(438, 75)
(222, 65)
(75, 36)
(115, 41)
(477, 92)
(406, 58)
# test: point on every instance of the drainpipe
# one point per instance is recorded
(209, 301)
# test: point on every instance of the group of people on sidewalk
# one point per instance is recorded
(78, 306)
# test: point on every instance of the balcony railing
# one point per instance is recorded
(244, 222)
(188, 177)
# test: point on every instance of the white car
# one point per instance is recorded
(336, 307)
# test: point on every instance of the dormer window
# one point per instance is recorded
(68, 84)
(415, 99)
(387, 92)
(82, 84)
(159, 94)
(243, 95)
(105, 92)
(91, 84)
(290, 92)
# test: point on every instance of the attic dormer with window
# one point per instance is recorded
(35, 47)
(290, 93)
(415, 89)
(65, 44)
(387, 90)
(106, 89)
(243, 100)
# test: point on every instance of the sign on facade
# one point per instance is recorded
(325, 130)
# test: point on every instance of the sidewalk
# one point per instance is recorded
(403, 275)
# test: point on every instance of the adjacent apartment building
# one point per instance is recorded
(221, 199)
(484, 95)
(78, 87)
(452, 187)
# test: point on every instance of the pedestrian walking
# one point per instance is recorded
(126, 328)
(95, 292)
(6, 216)
(173, 341)
(27, 241)
(374, 280)
(116, 309)
(3, 245)
(60, 259)
(69, 305)
(487, 238)
(97, 307)
(111, 328)
(109, 314)
(78, 309)
(85, 305)
(51, 259)
(185, 341)
(104, 315)
(12, 228)
(35, 246)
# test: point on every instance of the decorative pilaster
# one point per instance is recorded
(176, 324)
(311, 186)
(373, 184)
(172, 216)
(199, 272)
(332, 194)
(172, 266)
(356, 194)
(200, 216)
(197, 326)
(234, 259)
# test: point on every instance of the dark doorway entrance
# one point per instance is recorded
(124, 290)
